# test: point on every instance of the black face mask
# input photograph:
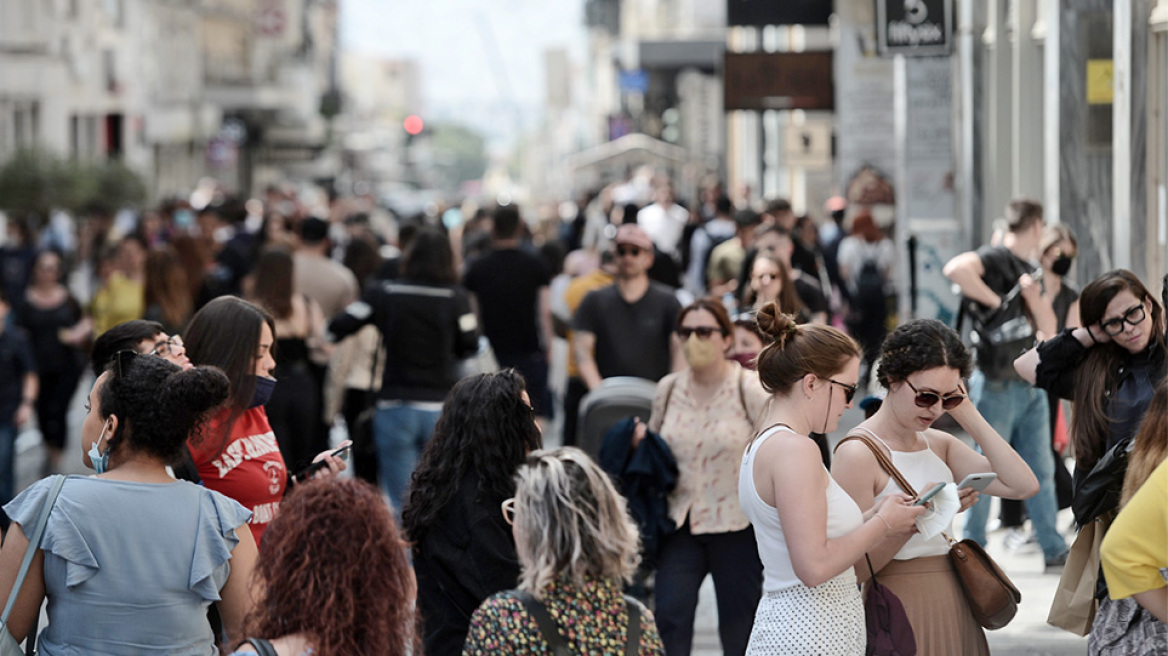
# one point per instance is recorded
(1062, 265)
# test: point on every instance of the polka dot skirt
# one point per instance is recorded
(827, 620)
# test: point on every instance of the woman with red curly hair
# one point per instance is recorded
(333, 577)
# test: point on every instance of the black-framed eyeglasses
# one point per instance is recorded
(704, 332)
(928, 399)
(622, 251)
(163, 348)
(508, 508)
(849, 390)
(1132, 317)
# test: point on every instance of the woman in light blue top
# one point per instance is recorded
(132, 558)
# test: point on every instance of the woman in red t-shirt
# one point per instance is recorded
(236, 453)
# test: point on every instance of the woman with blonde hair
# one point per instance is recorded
(577, 546)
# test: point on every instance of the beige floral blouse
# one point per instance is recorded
(708, 442)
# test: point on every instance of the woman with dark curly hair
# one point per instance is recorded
(463, 550)
(334, 577)
(132, 558)
(921, 365)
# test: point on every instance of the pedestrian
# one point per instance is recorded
(922, 364)
(168, 295)
(770, 282)
(145, 337)
(122, 295)
(992, 279)
(236, 452)
(578, 547)
(463, 551)
(867, 264)
(131, 559)
(810, 533)
(19, 388)
(706, 414)
(427, 325)
(747, 340)
(771, 239)
(333, 577)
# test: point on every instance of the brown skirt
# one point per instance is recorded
(937, 609)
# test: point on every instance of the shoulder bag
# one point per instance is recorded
(889, 631)
(555, 641)
(262, 646)
(992, 596)
(8, 644)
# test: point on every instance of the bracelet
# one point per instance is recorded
(881, 517)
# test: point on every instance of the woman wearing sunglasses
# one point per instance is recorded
(706, 414)
(922, 364)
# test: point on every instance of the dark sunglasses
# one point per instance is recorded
(703, 332)
(622, 251)
(849, 390)
(1132, 317)
(928, 399)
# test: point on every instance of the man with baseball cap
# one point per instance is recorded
(627, 328)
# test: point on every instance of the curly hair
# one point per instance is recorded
(158, 403)
(485, 431)
(919, 345)
(799, 349)
(333, 567)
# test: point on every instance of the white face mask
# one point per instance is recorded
(700, 352)
(99, 458)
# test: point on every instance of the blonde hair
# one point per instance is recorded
(570, 521)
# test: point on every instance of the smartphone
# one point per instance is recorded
(930, 494)
(978, 482)
(307, 472)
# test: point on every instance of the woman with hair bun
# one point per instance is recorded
(131, 558)
(921, 365)
(810, 532)
(334, 577)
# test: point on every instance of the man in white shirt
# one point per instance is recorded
(664, 221)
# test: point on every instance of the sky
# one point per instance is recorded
(481, 61)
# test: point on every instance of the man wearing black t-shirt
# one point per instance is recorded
(1017, 411)
(627, 329)
(510, 287)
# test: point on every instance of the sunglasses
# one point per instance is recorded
(929, 399)
(704, 332)
(122, 359)
(622, 251)
(163, 349)
(1132, 317)
(508, 508)
(849, 390)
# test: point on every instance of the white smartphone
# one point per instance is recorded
(978, 482)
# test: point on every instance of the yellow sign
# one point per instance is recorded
(1100, 81)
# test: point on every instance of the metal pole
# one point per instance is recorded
(1121, 145)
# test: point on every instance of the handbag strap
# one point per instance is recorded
(870, 570)
(262, 646)
(547, 626)
(884, 460)
(633, 641)
(34, 543)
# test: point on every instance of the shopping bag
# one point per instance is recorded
(1074, 605)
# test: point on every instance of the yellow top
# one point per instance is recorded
(574, 295)
(1136, 545)
(121, 299)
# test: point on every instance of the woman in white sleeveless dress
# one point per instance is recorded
(921, 366)
(810, 533)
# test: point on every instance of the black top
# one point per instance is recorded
(1002, 268)
(810, 293)
(427, 329)
(506, 283)
(465, 557)
(16, 360)
(632, 339)
(42, 326)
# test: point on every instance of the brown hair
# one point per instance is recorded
(714, 307)
(273, 281)
(333, 567)
(788, 299)
(1098, 373)
(865, 227)
(1151, 444)
(167, 287)
(1021, 213)
(797, 350)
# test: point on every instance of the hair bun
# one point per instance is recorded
(197, 390)
(778, 326)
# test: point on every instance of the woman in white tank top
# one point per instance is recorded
(809, 531)
(922, 364)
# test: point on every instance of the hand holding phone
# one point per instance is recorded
(933, 491)
(307, 472)
(977, 482)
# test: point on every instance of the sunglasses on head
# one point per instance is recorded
(622, 251)
(928, 399)
(704, 332)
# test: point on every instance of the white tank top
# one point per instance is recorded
(918, 468)
(843, 516)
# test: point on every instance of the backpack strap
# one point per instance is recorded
(547, 626)
(633, 641)
(262, 647)
(884, 460)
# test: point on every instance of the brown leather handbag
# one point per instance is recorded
(992, 597)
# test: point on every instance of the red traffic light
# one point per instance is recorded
(413, 125)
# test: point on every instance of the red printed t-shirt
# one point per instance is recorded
(250, 468)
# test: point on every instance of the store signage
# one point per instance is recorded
(914, 27)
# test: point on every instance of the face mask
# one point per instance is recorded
(745, 359)
(1062, 265)
(263, 391)
(700, 352)
(184, 218)
(99, 458)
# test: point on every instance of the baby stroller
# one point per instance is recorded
(615, 399)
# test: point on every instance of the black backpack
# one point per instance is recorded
(999, 336)
(870, 287)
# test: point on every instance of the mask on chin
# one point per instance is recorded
(98, 458)
(263, 391)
